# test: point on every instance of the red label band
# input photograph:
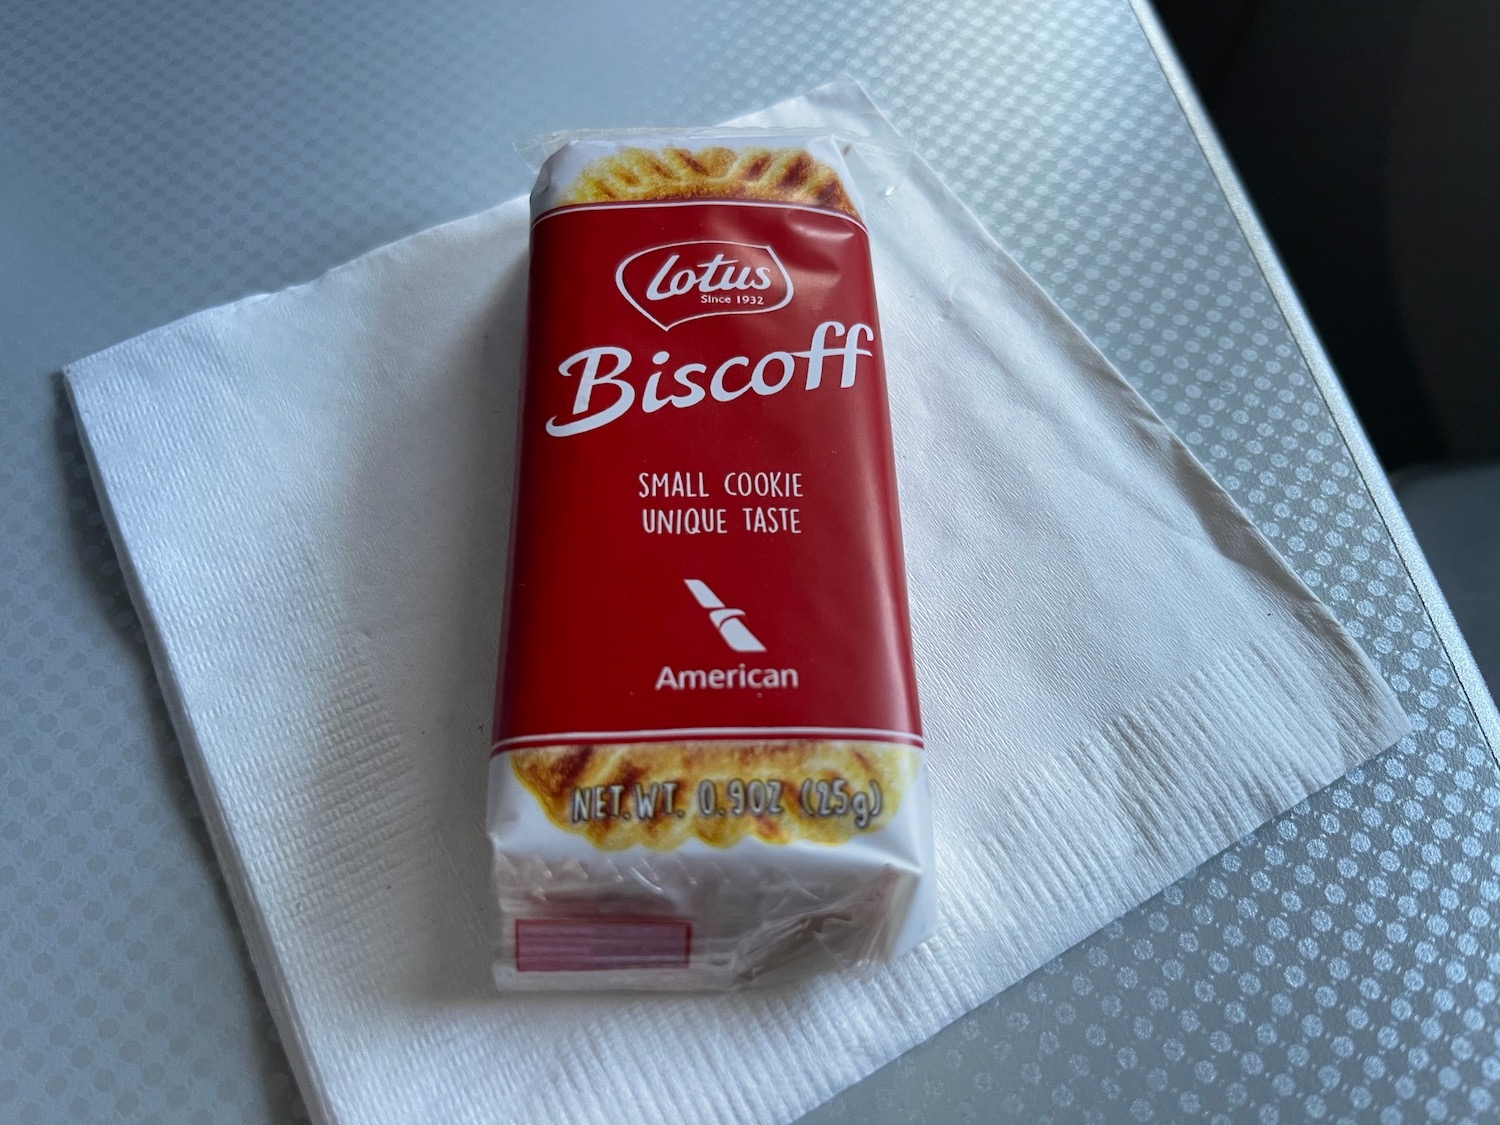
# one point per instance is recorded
(574, 945)
(705, 542)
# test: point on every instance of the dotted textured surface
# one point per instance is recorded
(1341, 964)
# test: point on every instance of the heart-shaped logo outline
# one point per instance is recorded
(781, 304)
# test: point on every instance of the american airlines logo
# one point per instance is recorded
(725, 619)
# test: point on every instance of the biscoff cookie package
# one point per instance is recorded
(707, 769)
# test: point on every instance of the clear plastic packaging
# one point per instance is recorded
(708, 768)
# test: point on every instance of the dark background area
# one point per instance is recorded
(1367, 133)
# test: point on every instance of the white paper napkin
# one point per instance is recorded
(310, 494)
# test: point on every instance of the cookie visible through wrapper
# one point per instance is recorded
(782, 175)
(708, 769)
(776, 792)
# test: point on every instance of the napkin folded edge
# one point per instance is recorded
(263, 959)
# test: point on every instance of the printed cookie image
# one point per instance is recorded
(781, 175)
(661, 794)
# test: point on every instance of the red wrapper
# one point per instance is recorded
(707, 766)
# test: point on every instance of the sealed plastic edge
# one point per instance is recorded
(868, 167)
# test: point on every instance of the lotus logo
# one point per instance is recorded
(686, 281)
